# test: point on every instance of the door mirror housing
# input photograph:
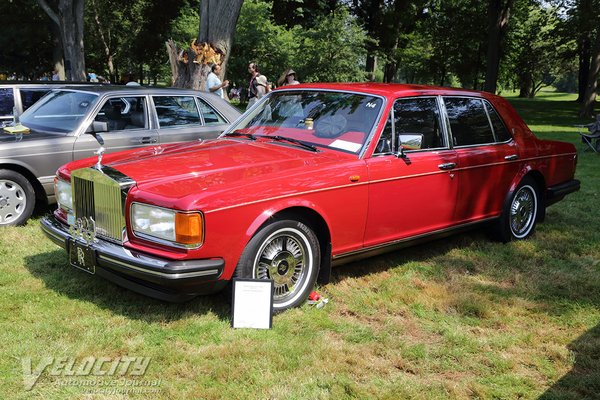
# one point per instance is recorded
(95, 128)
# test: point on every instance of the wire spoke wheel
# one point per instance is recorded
(285, 257)
(287, 252)
(523, 210)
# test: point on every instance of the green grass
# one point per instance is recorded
(461, 317)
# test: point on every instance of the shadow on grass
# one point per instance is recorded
(583, 381)
(54, 270)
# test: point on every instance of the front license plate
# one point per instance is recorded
(82, 257)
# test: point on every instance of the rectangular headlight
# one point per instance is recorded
(64, 194)
(175, 227)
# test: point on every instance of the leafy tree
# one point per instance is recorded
(26, 40)
(388, 23)
(535, 55)
(332, 51)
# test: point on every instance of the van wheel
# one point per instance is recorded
(17, 198)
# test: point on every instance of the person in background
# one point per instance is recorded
(287, 78)
(213, 82)
(259, 85)
(55, 75)
(131, 81)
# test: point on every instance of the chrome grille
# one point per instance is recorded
(101, 195)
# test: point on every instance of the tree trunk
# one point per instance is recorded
(106, 41)
(69, 19)
(587, 105)
(585, 11)
(371, 66)
(498, 15)
(58, 59)
(190, 67)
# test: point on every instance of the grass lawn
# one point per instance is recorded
(461, 317)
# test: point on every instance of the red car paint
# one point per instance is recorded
(366, 202)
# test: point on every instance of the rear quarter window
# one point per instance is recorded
(469, 123)
(500, 131)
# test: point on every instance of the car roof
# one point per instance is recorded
(101, 89)
(390, 89)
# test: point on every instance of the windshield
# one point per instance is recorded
(336, 120)
(59, 111)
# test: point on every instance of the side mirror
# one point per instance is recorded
(410, 141)
(95, 128)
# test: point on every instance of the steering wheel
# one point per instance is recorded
(330, 126)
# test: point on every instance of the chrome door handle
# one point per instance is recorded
(447, 166)
(147, 140)
(511, 157)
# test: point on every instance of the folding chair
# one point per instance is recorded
(592, 138)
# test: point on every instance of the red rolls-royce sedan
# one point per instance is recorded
(311, 176)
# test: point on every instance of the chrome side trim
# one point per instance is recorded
(404, 242)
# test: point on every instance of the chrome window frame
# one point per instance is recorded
(185, 126)
(369, 137)
(482, 100)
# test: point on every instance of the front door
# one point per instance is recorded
(128, 127)
(412, 192)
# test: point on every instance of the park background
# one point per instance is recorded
(462, 317)
(499, 46)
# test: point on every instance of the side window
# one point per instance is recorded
(500, 130)
(124, 113)
(468, 121)
(30, 96)
(417, 123)
(176, 110)
(6, 102)
(211, 117)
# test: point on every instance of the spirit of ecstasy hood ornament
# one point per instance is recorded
(100, 150)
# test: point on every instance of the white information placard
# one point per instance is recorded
(252, 303)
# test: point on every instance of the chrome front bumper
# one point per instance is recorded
(159, 278)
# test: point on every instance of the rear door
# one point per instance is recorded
(182, 118)
(488, 159)
(126, 118)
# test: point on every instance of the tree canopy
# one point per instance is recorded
(496, 45)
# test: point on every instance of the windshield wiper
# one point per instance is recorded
(295, 141)
(243, 134)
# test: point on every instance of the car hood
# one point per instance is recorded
(31, 136)
(221, 169)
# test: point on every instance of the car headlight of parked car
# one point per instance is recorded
(166, 225)
(64, 195)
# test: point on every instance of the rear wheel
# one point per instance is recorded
(520, 212)
(288, 253)
(17, 198)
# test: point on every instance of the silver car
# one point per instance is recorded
(62, 126)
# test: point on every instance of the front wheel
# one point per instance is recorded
(288, 253)
(17, 198)
(520, 212)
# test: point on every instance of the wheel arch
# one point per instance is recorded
(310, 217)
(540, 181)
(40, 193)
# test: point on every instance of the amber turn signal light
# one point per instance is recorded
(189, 229)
